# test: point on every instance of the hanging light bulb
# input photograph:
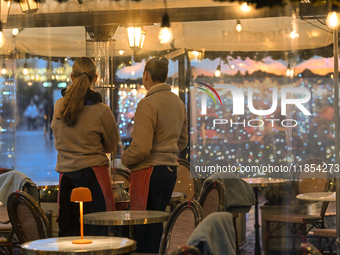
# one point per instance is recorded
(25, 71)
(218, 70)
(15, 31)
(4, 70)
(238, 26)
(333, 20)
(288, 70)
(245, 7)
(165, 34)
(2, 36)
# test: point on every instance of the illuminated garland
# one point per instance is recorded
(256, 3)
(43, 74)
(272, 3)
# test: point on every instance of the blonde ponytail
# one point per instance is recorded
(84, 72)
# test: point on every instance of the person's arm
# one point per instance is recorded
(183, 139)
(142, 135)
(109, 131)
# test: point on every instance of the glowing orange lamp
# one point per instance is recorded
(81, 195)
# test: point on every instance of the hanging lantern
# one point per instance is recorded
(29, 6)
(136, 37)
(5, 7)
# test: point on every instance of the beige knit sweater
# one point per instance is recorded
(160, 130)
(86, 143)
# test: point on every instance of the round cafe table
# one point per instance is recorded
(127, 217)
(257, 183)
(101, 245)
(317, 197)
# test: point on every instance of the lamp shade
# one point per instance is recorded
(81, 194)
(29, 6)
(136, 37)
(5, 7)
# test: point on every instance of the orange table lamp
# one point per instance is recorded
(81, 195)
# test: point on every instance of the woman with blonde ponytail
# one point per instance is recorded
(84, 130)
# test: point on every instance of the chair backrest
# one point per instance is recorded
(4, 170)
(313, 175)
(180, 226)
(186, 250)
(212, 198)
(28, 220)
(185, 183)
(122, 175)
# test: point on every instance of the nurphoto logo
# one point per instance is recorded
(238, 104)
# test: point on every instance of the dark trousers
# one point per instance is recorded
(69, 216)
(31, 123)
(162, 183)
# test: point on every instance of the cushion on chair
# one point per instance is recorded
(292, 218)
(216, 234)
(325, 232)
(239, 194)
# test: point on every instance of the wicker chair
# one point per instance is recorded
(190, 186)
(28, 219)
(186, 250)
(303, 182)
(122, 175)
(327, 233)
(180, 226)
(185, 183)
(212, 198)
